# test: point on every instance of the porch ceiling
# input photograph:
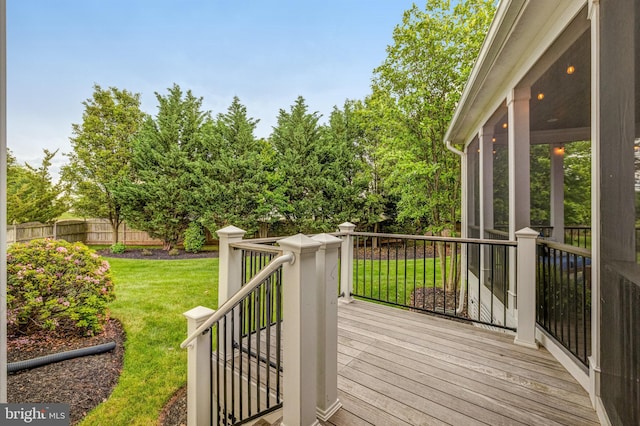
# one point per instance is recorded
(530, 44)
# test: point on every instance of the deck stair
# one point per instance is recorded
(250, 380)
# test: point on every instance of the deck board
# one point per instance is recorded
(397, 367)
(420, 369)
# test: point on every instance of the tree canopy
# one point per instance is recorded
(102, 146)
(31, 194)
(169, 155)
(237, 190)
(414, 94)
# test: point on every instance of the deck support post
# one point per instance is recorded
(199, 355)
(299, 332)
(229, 276)
(327, 305)
(346, 261)
(526, 290)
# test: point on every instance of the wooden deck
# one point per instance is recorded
(404, 368)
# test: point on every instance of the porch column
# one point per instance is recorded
(519, 172)
(485, 136)
(346, 261)
(299, 332)
(596, 179)
(327, 305)
(486, 179)
(557, 192)
(470, 177)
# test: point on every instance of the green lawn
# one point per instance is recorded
(394, 280)
(151, 296)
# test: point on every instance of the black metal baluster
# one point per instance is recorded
(388, 268)
(258, 335)
(404, 278)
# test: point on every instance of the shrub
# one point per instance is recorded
(174, 252)
(146, 252)
(56, 285)
(118, 248)
(194, 238)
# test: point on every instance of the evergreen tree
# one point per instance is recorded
(169, 163)
(238, 191)
(296, 140)
(31, 195)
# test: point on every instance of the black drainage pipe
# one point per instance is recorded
(60, 356)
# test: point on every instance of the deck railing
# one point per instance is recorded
(254, 350)
(296, 280)
(564, 296)
(261, 284)
(461, 278)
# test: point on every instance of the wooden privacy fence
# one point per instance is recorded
(89, 231)
(99, 232)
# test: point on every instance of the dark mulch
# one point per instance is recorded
(157, 254)
(393, 252)
(444, 301)
(174, 412)
(83, 383)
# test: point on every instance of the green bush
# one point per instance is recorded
(56, 285)
(118, 248)
(174, 252)
(194, 238)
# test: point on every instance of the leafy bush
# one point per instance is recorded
(174, 252)
(118, 248)
(56, 285)
(194, 238)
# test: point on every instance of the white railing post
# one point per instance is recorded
(299, 332)
(346, 261)
(198, 359)
(327, 305)
(229, 275)
(230, 266)
(526, 288)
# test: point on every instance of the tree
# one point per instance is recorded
(346, 168)
(169, 164)
(415, 91)
(577, 183)
(296, 141)
(101, 155)
(31, 195)
(238, 185)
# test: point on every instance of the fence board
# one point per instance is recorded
(89, 231)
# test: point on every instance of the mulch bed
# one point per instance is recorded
(83, 382)
(424, 298)
(174, 412)
(157, 254)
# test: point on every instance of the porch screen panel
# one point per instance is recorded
(619, 272)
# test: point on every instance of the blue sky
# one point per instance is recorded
(265, 52)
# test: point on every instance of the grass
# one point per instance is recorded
(394, 280)
(151, 296)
